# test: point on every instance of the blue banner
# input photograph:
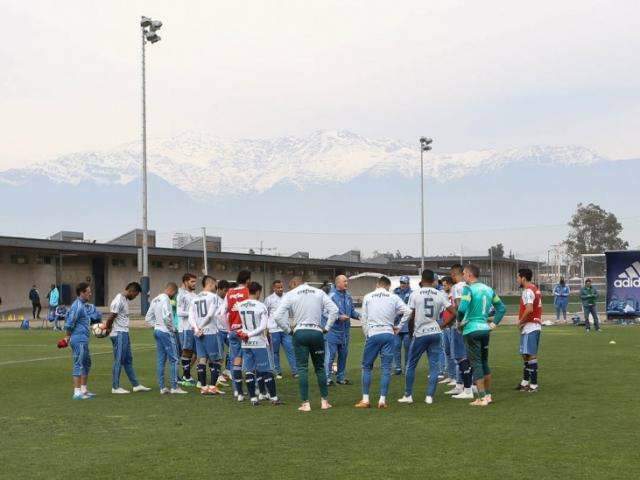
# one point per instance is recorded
(623, 283)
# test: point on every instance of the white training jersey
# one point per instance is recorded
(183, 302)
(202, 313)
(306, 304)
(428, 304)
(221, 316)
(379, 311)
(160, 315)
(272, 302)
(254, 318)
(527, 298)
(458, 288)
(120, 306)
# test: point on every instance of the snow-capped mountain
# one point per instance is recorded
(203, 166)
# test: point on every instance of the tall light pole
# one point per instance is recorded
(148, 29)
(425, 146)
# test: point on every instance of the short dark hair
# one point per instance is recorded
(134, 286)
(275, 281)
(456, 267)
(473, 269)
(81, 287)
(254, 287)
(171, 285)
(428, 276)
(223, 284)
(384, 281)
(243, 276)
(233, 284)
(207, 278)
(448, 279)
(525, 273)
(188, 276)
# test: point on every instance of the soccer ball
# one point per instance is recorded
(98, 331)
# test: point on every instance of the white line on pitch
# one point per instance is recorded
(42, 359)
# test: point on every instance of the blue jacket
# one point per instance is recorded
(561, 295)
(77, 322)
(54, 297)
(339, 332)
(404, 294)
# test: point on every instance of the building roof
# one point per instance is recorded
(114, 249)
(465, 259)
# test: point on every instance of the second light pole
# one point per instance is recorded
(425, 146)
(149, 28)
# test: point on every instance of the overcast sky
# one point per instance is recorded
(471, 74)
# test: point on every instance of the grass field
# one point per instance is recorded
(583, 423)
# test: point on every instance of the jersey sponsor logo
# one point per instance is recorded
(306, 291)
(630, 278)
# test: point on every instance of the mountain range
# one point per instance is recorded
(350, 190)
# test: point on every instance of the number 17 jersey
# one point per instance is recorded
(254, 318)
(428, 304)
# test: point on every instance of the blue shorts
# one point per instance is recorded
(187, 340)
(81, 358)
(458, 348)
(529, 343)
(257, 360)
(235, 346)
(208, 346)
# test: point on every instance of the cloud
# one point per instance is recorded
(472, 74)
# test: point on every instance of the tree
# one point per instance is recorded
(593, 230)
(498, 251)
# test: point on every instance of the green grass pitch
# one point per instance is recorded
(584, 422)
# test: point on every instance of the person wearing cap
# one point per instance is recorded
(589, 295)
(402, 339)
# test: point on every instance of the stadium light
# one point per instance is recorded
(425, 146)
(148, 28)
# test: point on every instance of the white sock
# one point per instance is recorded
(383, 399)
(524, 383)
(468, 390)
(77, 391)
(459, 386)
(274, 399)
(365, 398)
(83, 388)
(533, 387)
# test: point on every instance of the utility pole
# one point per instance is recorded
(204, 251)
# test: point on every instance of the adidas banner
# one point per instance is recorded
(623, 283)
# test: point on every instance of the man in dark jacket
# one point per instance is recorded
(34, 296)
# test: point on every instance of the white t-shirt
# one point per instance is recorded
(272, 302)
(160, 314)
(527, 298)
(379, 311)
(183, 302)
(306, 304)
(428, 304)
(120, 306)
(254, 318)
(202, 313)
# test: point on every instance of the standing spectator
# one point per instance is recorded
(589, 295)
(34, 296)
(54, 299)
(561, 299)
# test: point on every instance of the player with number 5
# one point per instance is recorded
(427, 305)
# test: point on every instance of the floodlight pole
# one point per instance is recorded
(145, 283)
(421, 210)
